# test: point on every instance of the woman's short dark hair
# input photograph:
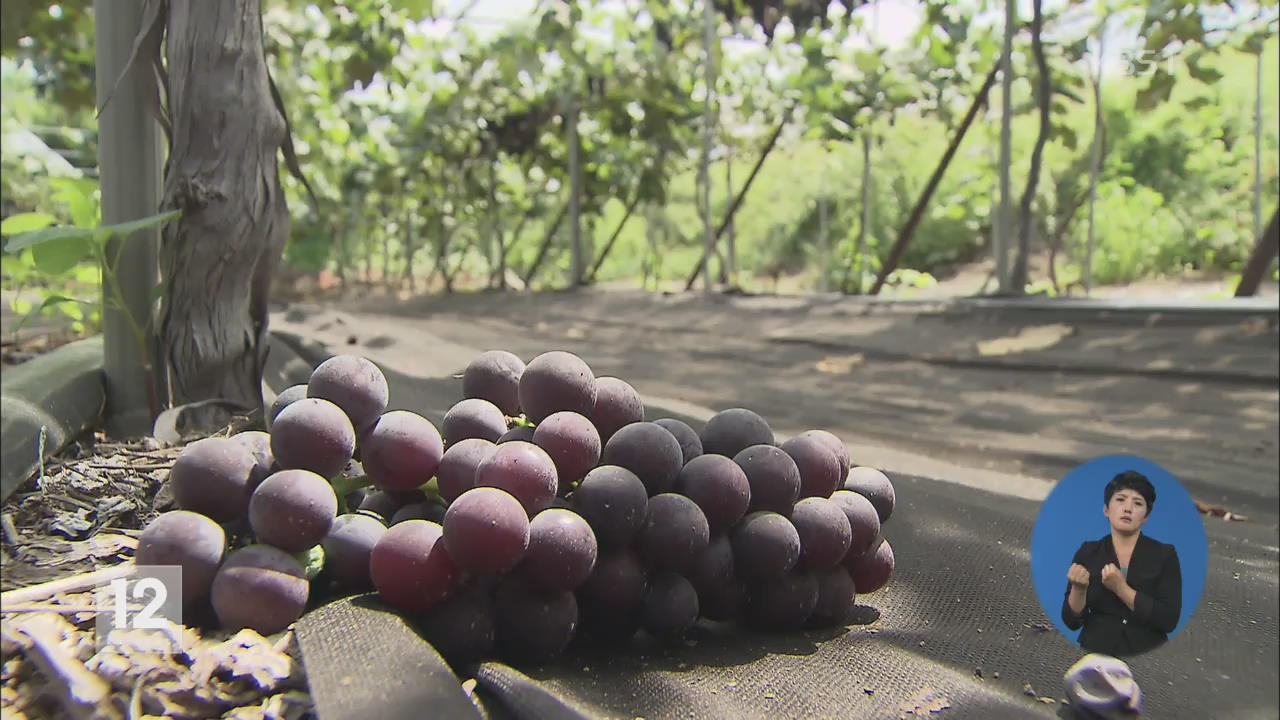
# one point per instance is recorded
(1131, 480)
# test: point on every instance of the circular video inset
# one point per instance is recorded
(1119, 556)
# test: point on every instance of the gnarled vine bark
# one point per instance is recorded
(227, 127)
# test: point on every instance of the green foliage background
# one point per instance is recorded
(437, 149)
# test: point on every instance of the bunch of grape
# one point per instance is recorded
(542, 508)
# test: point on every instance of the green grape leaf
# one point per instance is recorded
(59, 255)
(26, 222)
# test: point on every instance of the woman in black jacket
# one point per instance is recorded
(1124, 589)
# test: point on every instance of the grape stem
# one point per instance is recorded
(342, 486)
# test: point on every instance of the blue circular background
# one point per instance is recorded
(1072, 514)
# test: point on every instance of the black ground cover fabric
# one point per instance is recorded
(958, 631)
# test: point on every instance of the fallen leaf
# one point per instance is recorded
(839, 364)
(1027, 339)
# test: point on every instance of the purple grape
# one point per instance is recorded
(783, 603)
(494, 375)
(864, 523)
(410, 567)
(617, 405)
(456, 473)
(871, 571)
(824, 533)
(261, 588)
(731, 431)
(562, 550)
(424, 510)
(614, 502)
(533, 624)
(670, 606)
(213, 477)
(690, 444)
(835, 596)
(380, 504)
(765, 546)
(713, 566)
(556, 381)
(293, 510)
(724, 603)
(259, 445)
(519, 432)
(835, 445)
(347, 548)
(524, 470)
(819, 468)
(188, 539)
(610, 597)
(649, 451)
(401, 451)
(718, 485)
(773, 477)
(287, 397)
(675, 531)
(473, 418)
(463, 628)
(572, 442)
(354, 384)
(313, 434)
(875, 486)
(486, 531)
